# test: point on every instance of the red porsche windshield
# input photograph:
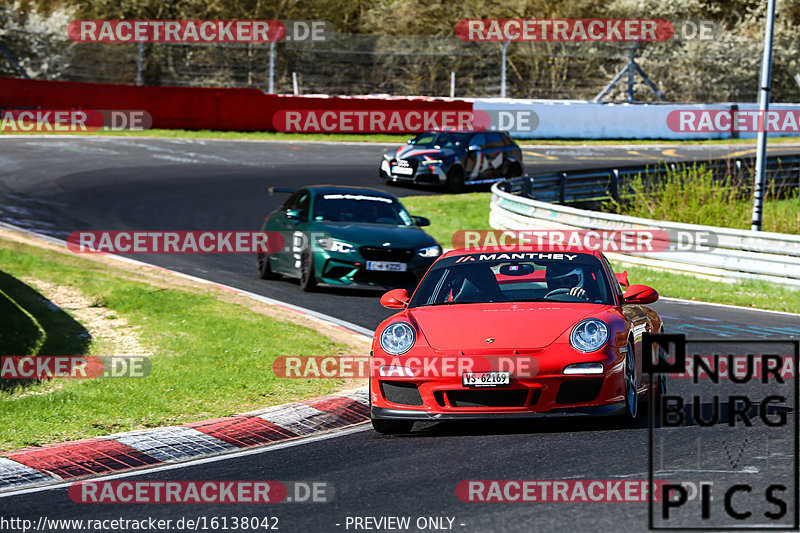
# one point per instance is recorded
(515, 277)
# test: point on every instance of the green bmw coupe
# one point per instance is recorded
(348, 236)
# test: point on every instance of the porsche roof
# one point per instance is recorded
(523, 249)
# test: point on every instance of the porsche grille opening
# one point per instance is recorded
(401, 392)
(490, 398)
(579, 391)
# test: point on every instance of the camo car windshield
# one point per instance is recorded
(514, 277)
(360, 208)
(442, 140)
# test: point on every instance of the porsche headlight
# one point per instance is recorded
(332, 245)
(398, 338)
(589, 335)
(431, 251)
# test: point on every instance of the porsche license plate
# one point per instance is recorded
(486, 379)
(386, 266)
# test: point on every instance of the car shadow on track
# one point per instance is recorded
(397, 187)
(576, 424)
(361, 291)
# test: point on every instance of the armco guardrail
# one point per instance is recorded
(738, 254)
(587, 185)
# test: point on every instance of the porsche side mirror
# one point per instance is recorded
(421, 221)
(409, 141)
(639, 294)
(395, 299)
(623, 279)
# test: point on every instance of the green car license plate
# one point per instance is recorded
(386, 266)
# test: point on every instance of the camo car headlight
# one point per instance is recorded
(589, 335)
(431, 251)
(432, 161)
(398, 338)
(332, 245)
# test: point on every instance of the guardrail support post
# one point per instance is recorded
(614, 186)
(562, 188)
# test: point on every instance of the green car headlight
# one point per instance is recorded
(332, 245)
(431, 251)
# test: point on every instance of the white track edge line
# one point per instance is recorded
(355, 328)
(730, 306)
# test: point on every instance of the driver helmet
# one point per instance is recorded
(564, 277)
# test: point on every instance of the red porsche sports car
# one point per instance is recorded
(531, 333)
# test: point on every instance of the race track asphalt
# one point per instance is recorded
(59, 185)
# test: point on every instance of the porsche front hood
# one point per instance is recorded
(516, 326)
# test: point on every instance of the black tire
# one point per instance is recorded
(264, 268)
(631, 391)
(308, 281)
(660, 389)
(514, 170)
(392, 427)
(455, 179)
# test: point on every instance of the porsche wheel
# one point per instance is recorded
(308, 281)
(392, 427)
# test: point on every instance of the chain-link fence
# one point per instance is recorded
(344, 64)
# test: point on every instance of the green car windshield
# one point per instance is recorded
(360, 208)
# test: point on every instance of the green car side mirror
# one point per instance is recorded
(294, 214)
(421, 221)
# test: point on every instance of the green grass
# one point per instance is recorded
(746, 293)
(396, 138)
(211, 358)
(449, 213)
(691, 195)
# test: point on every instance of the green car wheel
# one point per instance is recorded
(308, 281)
